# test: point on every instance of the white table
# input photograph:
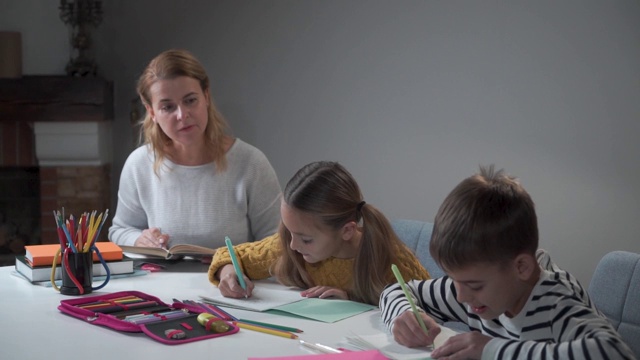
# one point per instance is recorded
(31, 326)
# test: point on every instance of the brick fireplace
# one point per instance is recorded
(55, 134)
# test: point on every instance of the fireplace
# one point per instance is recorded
(55, 153)
(19, 208)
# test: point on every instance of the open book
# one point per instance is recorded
(173, 252)
(391, 349)
(277, 298)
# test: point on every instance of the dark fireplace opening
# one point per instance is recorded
(19, 211)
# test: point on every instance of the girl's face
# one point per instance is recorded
(313, 240)
(179, 107)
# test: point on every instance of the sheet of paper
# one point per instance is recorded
(390, 348)
(326, 310)
(348, 355)
(278, 299)
(262, 298)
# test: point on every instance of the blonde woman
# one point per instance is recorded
(191, 182)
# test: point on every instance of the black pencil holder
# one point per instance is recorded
(81, 266)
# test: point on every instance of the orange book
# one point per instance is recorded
(38, 255)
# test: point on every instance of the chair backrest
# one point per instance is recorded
(615, 290)
(417, 235)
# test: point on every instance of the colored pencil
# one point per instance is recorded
(221, 313)
(273, 326)
(265, 330)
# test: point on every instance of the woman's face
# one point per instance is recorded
(179, 107)
(313, 240)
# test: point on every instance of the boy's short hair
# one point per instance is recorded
(488, 217)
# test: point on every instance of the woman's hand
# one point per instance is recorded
(152, 237)
(229, 286)
(324, 292)
(407, 331)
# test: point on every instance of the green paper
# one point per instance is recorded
(325, 310)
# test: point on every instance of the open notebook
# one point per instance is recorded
(264, 297)
(391, 349)
(279, 299)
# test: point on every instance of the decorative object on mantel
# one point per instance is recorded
(10, 54)
(81, 15)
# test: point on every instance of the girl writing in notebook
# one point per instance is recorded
(330, 243)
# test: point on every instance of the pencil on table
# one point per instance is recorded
(265, 330)
(273, 326)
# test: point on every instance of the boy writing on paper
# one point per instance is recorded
(330, 243)
(517, 303)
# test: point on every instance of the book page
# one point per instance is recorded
(187, 249)
(390, 348)
(141, 250)
(173, 252)
(263, 298)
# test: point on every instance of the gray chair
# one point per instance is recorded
(417, 235)
(615, 290)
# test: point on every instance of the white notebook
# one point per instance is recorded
(262, 298)
(391, 349)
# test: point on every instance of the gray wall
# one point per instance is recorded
(411, 96)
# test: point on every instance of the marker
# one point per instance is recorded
(236, 264)
(396, 272)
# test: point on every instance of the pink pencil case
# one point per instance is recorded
(169, 324)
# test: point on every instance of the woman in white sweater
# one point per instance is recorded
(191, 182)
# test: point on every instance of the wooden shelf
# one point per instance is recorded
(56, 98)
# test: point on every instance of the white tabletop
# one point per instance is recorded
(33, 328)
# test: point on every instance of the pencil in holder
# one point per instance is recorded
(77, 246)
(77, 273)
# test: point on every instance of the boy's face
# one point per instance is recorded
(492, 289)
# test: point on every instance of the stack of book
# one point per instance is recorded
(36, 264)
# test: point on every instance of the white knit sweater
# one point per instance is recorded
(197, 204)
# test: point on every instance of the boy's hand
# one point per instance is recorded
(324, 292)
(407, 331)
(229, 286)
(463, 346)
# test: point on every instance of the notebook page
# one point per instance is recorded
(262, 298)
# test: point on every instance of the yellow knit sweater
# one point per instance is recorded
(256, 258)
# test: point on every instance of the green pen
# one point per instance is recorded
(236, 264)
(396, 272)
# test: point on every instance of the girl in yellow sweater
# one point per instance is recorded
(330, 243)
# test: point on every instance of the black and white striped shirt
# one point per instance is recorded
(559, 321)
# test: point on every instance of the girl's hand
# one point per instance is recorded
(406, 330)
(229, 286)
(467, 345)
(152, 237)
(324, 292)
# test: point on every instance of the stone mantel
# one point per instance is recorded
(56, 98)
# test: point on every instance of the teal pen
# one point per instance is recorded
(236, 264)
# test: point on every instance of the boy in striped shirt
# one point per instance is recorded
(517, 303)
